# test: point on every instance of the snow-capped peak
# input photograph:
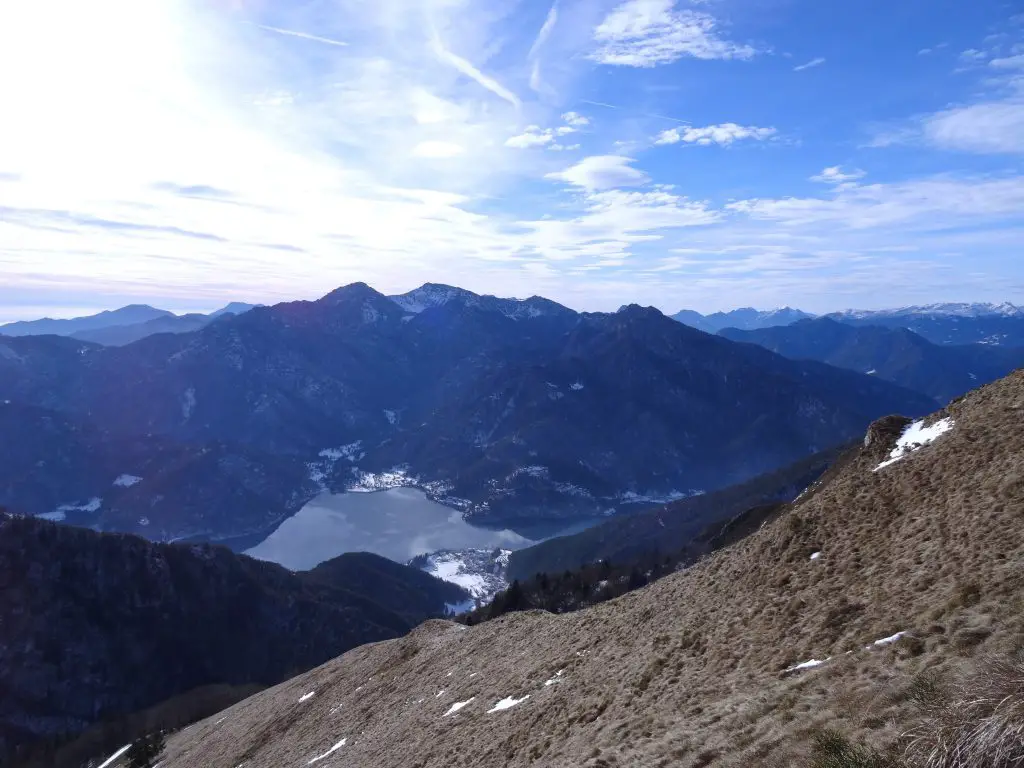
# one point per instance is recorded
(948, 309)
(431, 295)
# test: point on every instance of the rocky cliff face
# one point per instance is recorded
(909, 559)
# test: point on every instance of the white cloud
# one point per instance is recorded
(1010, 62)
(930, 204)
(836, 175)
(599, 172)
(437, 149)
(646, 33)
(812, 63)
(533, 136)
(972, 56)
(723, 134)
(989, 127)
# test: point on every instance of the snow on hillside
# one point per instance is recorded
(481, 572)
(914, 437)
(961, 309)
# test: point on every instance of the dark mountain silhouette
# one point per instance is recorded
(894, 354)
(96, 626)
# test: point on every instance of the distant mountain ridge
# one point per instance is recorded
(121, 326)
(895, 354)
(944, 323)
(952, 309)
(746, 318)
(519, 413)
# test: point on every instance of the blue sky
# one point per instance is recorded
(704, 154)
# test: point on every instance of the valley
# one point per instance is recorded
(398, 524)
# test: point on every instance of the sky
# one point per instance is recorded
(704, 154)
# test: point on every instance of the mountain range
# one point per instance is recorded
(963, 323)
(97, 626)
(515, 411)
(121, 326)
(895, 354)
(885, 602)
(746, 318)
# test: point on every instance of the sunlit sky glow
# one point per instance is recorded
(704, 154)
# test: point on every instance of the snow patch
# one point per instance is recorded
(888, 640)
(815, 556)
(478, 571)
(188, 403)
(806, 665)
(110, 760)
(127, 481)
(457, 706)
(330, 751)
(60, 513)
(396, 477)
(507, 703)
(556, 679)
(307, 696)
(915, 437)
(347, 452)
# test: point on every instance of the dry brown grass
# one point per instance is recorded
(981, 726)
(691, 670)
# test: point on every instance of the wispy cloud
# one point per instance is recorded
(303, 35)
(466, 68)
(646, 33)
(533, 56)
(812, 63)
(836, 175)
(723, 134)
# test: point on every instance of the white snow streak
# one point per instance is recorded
(330, 751)
(457, 706)
(806, 665)
(307, 696)
(888, 640)
(113, 757)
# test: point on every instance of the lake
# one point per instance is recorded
(398, 524)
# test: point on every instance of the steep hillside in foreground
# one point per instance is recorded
(96, 626)
(700, 668)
